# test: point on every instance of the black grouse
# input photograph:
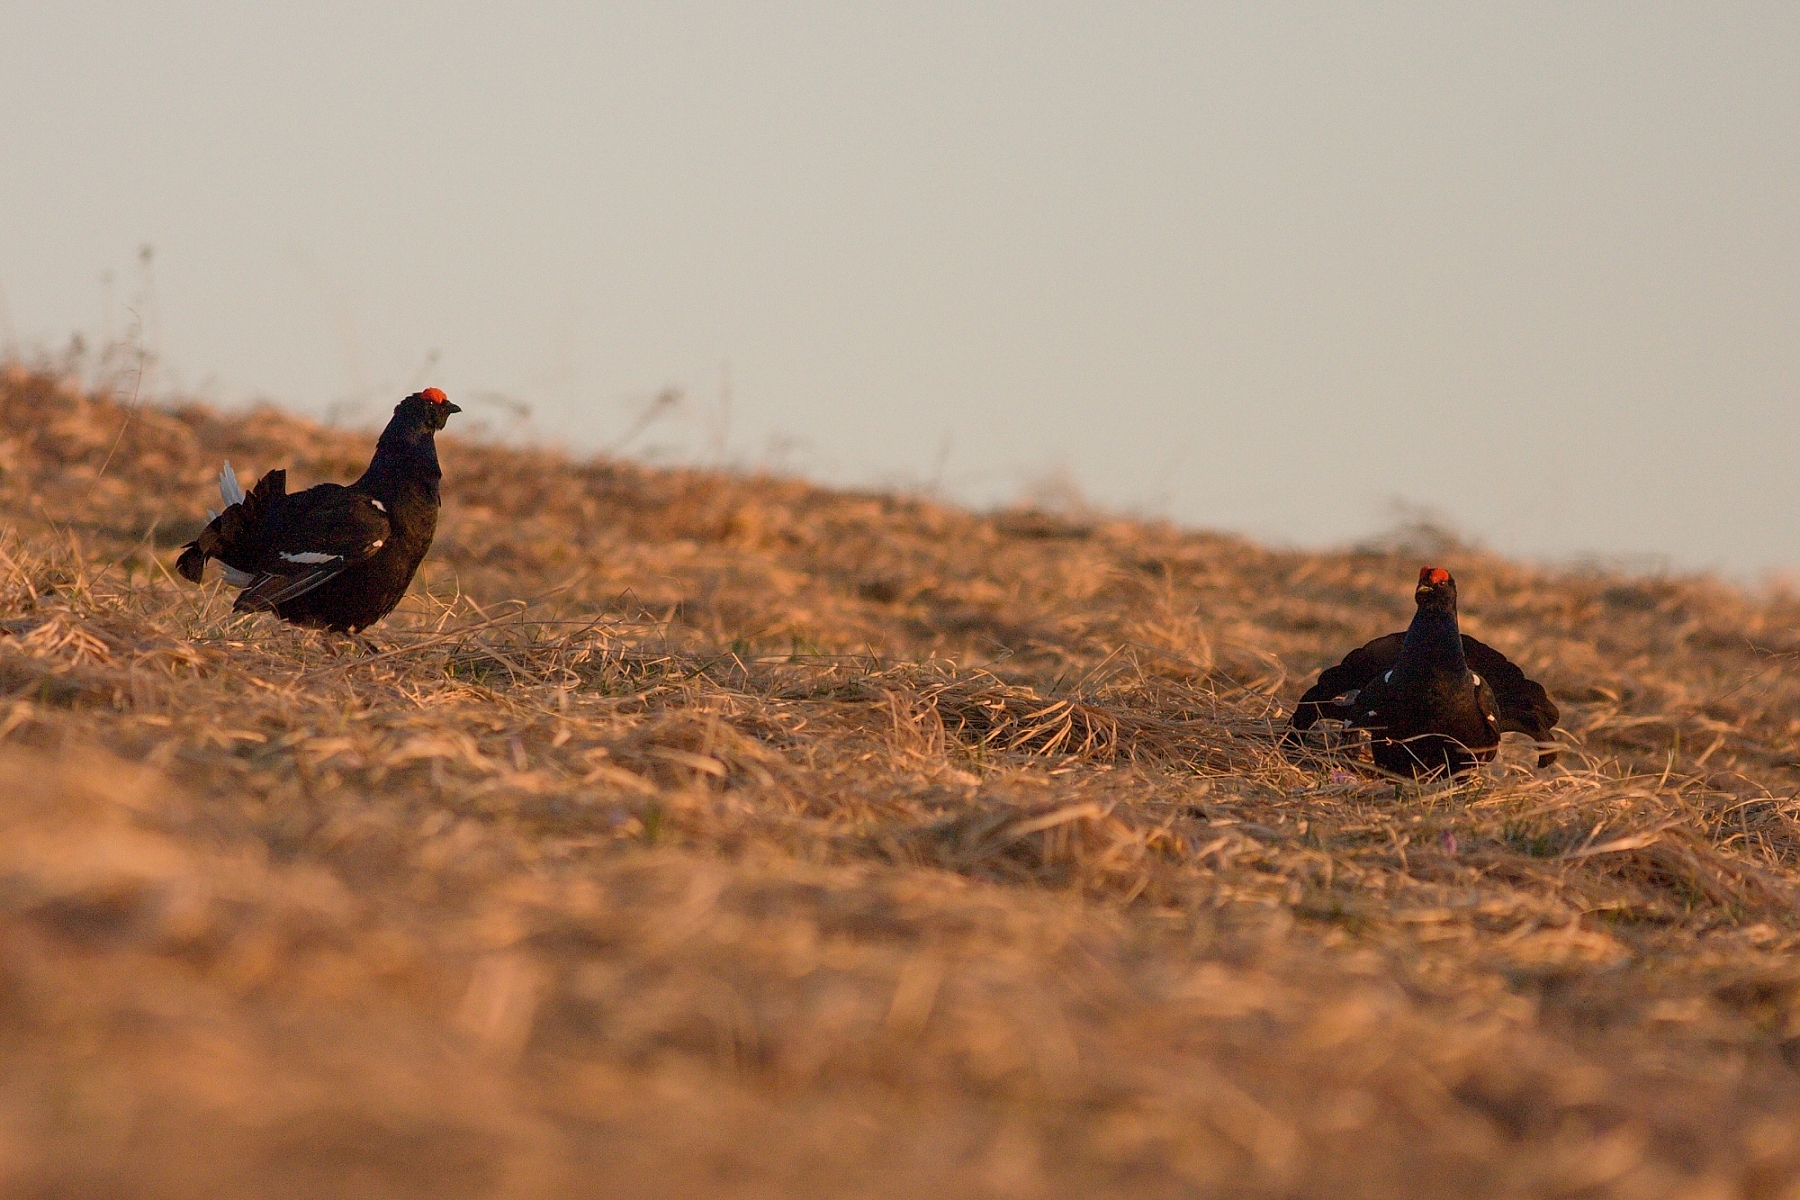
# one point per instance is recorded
(1433, 698)
(332, 557)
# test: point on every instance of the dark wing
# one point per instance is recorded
(311, 539)
(1486, 701)
(1360, 666)
(1524, 706)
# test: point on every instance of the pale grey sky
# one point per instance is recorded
(1255, 267)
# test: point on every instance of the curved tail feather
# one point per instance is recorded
(192, 563)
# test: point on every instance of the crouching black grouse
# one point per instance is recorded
(1433, 698)
(333, 557)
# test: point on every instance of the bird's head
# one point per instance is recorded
(430, 406)
(1436, 590)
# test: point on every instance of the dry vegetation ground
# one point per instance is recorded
(690, 834)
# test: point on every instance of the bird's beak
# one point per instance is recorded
(452, 408)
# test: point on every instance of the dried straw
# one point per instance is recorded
(692, 833)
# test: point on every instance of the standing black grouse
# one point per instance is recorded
(332, 557)
(1433, 698)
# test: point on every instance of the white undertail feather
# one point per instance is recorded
(231, 492)
(229, 489)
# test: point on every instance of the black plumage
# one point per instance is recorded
(1433, 698)
(333, 557)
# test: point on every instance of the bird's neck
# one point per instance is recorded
(405, 455)
(1433, 646)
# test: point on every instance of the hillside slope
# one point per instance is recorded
(693, 834)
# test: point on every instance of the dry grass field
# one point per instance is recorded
(694, 834)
